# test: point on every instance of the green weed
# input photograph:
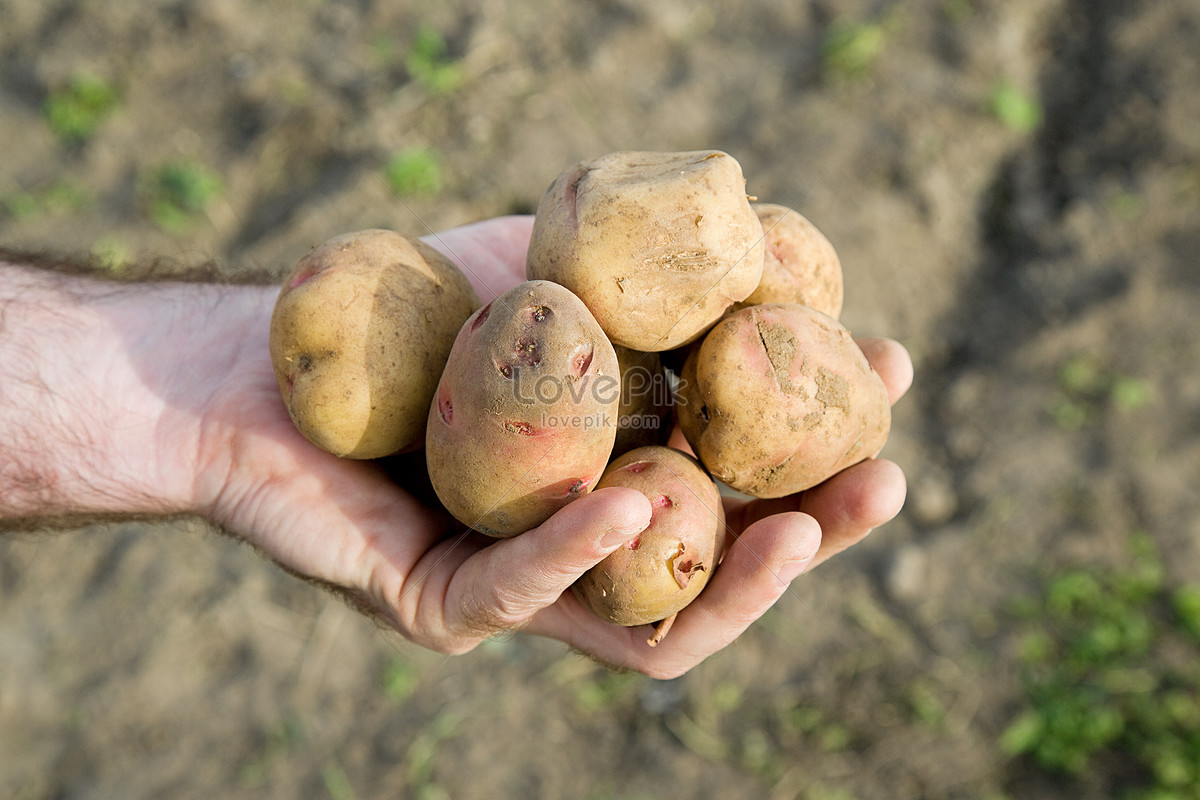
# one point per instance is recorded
(382, 49)
(112, 253)
(281, 742)
(1014, 108)
(1086, 387)
(337, 783)
(61, 197)
(1130, 394)
(414, 171)
(829, 735)
(399, 680)
(177, 193)
(605, 690)
(75, 111)
(821, 791)
(21, 204)
(850, 49)
(419, 759)
(1111, 677)
(958, 10)
(429, 64)
(1127, 205)
(925, 704)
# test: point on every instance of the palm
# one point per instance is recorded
(374, 531)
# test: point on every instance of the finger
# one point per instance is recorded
(489, 252)
(892, 362)
(757, 570)
(678, 441)
(755, 573)
(848, 506)
(854, 502)
(503, 585)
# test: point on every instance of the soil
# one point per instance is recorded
(163, 660)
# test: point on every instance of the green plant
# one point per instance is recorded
(76, 110)
(21, 204)
(958, 10)
(419, 759)
(111, 253)
(820, 791)
(925, 704)
(1015, 109)
(429, 64)
(61, 197)
(850, 49)
(337, 783)
(399, 680)
(414, 171)
(280, 742)
(605, 690)
(175, 194)
(382, 48)
(1086, 386)
(1187, 608)
(1111, 678)
(829, 735)
(1126, 205)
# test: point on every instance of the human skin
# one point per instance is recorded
(124, 400)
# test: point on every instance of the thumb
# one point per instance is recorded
(502, 586)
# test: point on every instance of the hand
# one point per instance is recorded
(351, 525)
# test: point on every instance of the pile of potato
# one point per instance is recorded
(558, 386)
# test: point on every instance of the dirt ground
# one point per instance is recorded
(1013, 188)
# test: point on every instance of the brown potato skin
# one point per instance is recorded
(359, 333)
(524, 417)
(644, 415)
(778, 398)
(640, 583)
(800, 265)
(657, 245)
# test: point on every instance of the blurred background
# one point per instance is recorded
(1014, 191)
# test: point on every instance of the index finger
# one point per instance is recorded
(891, 361)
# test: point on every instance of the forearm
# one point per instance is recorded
(103, 386)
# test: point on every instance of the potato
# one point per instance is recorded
(524, 417)
(657, 245)
(667, 565)
(359, 334)
(777, 398)
(800, 265)
(644, 415)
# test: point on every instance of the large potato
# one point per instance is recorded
(359, 334)
(777, 398)
(524, 417)
(667, 565)
(657, 245)
(800, 265)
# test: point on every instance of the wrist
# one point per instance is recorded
(104, 387)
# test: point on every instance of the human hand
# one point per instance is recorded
(373, 532)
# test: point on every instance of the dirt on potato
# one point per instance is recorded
(1012, 188)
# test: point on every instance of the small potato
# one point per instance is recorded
(657, 245)
(358, 337)
(667, 565)
(800, 266)
(644, 416)
(524, 417)
(778, 398)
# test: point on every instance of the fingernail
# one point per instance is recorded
(617, 537)
(794, 568)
